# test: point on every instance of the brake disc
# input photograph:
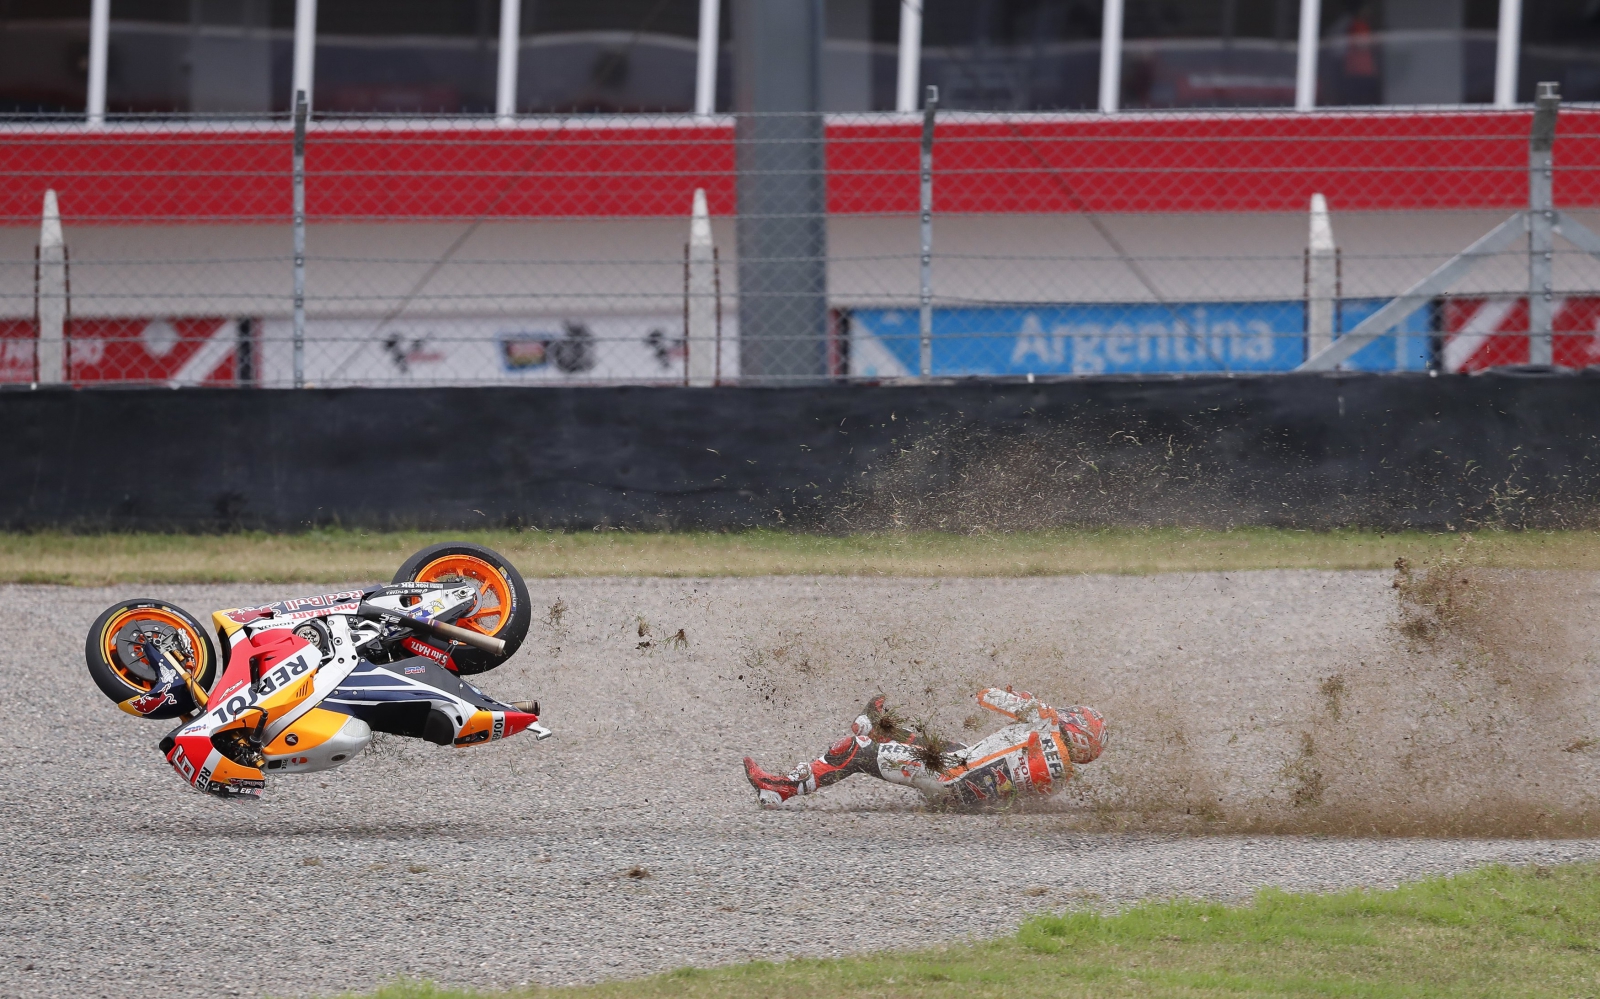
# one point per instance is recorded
(131, 635)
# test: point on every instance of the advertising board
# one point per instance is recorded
(1175, 338)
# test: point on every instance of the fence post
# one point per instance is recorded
(926, 292)
(1541, 224)
(300, 239)
(1305, 56)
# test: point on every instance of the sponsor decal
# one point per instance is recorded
(343, 602)
(499, 726)
(1052, 758)
(245, 698)
(417, 647)
(181, 763)
(416, 669)
(151, 702)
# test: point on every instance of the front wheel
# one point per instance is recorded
(502, 611)
(116, 654)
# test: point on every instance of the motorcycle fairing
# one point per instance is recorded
(293, 679)
(416, 697)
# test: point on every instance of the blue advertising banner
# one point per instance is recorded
(1184, 338)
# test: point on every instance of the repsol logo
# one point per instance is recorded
(271, 682)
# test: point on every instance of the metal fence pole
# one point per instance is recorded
(300, 239)
(926, 292)
(1541, 224)
(1305, 56)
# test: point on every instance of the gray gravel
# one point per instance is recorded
(508, 863)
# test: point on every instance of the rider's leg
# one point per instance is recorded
(870, 749)
(856, 753)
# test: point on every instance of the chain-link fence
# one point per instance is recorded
(787, 249)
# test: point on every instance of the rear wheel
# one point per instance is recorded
(114, 649)
(502, 611)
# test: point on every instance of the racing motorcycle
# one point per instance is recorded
(302, 684)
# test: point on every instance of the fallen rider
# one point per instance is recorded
(1033, 755)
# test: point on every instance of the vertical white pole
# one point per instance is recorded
(1111, 56)
(505, 91)
(1507, 51)
(51, 301)
(99, 41)
(700, 296)
(705, 67)
(1322, 279)
(1305, 66)
(305, 49)
(905, 91)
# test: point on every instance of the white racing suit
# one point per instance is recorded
(1031, 755)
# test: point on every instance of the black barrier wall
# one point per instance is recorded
(1387, 451)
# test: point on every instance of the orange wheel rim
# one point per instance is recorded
(494, 591)
(113, 658)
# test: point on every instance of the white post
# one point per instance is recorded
(50, 300)
(1322, 277)
(505, 93)
(1305, 67)
(705, 66)
(700, 297)
(99, 40)
(1507, 51)
(905, 93)
(1111, 56)
(305, 49)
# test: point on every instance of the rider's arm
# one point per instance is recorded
(1007, 702)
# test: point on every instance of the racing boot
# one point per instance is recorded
(856, 753)
(771, 790)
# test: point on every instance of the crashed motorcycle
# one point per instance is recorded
(302, 684)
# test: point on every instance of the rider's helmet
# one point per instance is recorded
(1084, 729)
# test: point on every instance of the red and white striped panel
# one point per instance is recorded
(147, 351)
(1485, 333)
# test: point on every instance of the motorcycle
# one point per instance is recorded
(302, 684)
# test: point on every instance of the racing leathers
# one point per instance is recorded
(1032, 755)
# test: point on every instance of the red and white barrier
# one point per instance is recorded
(1482, 333)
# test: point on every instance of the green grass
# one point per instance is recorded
(336, 556)
(1495, 932)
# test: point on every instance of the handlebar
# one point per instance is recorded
(477, 640)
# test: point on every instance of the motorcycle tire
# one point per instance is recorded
(503, 611)
(119, 671)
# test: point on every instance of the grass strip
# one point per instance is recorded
(1497, 931)
(335, 556)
